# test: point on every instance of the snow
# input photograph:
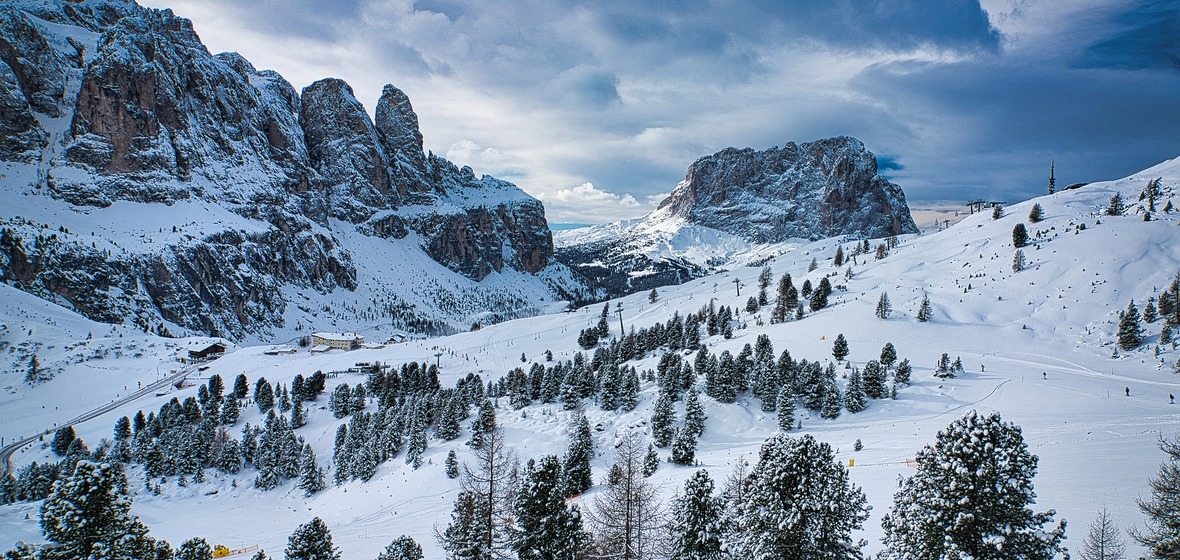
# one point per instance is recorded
(1036, 345)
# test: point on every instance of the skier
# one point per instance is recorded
(1171, 399)
(1044, 375)
(1127, 390)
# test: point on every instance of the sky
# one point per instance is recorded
(597, 108)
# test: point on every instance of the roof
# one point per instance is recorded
(320, 348)
(337, 336)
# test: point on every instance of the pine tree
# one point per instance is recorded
(241, 387)
(943, 368)
(485, 421)
(1162, 535)
(838, 260)
(786, 409)
(463, 538)
(653, 296)
(194, 549)
(264, 395)
(1019, 236)
(1116, 206)
(1103, 541)
(229, 411)
(997, 212)
(1019, 262)
(311, 476)
(854, 393)
(651, 462)
(340, 402)
(402, 548)
(819, 297)
(62, 439)
(764, 278)
(832, 402)
(970, 498)
(694, 414)
(298, 415)
(840, 348)
(884, 308)
(901, 375)
(1036, 214)
(924, 311)
(545, 528)
(576, 474)
(684, 448)
(888, 355)
(1149, 311)
(695, 526)
(1130, 334)
(874, 380)
(452, 465)
(312, 541)
(662, 421)
(798, 503)
(88, 516)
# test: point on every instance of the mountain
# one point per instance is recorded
(740, 205)
(148, 181)
(1038, 346)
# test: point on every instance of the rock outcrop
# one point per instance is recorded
(140, 112)
(742, 198)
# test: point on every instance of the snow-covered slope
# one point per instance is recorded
(1037, 347)
(146, 181)
(738, 206)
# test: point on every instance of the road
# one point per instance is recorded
(8, 451)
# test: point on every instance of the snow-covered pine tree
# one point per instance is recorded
(840, 347)
(463, 538)
(264, 395)
(1019, 262)
(684, 448)
(62, 439)
(448, 421)
(663, 421)
(1162, 535)
(854, 393)
(545, 529)
(1103, 541)
(786, 409)
(311, 476)
(833, 401)
(970, 498)
(230, 411)
(1116, 206)
(241, 387)
(884, 308)
(819, 297)
(943, 368)
(402, 548)
(452, 464)
(888, 355)
(88, 516)
(653, 296)
(874, 380)
(901, 375)
(576, 475)
(1130, 335)
(312, 541)
(695, 521)
(195, 548)
(485, 421)
(1149, 311)
(924, 311)
(798, 503)
(340, 401)
(651, 462)
(694, 414)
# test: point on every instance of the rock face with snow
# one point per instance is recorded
(737, 199)
(104, 103)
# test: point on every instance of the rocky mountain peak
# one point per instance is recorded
(798, 191)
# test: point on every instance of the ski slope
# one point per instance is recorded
(1036, 345)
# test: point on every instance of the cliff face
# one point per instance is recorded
(104, 103)
(735, 200)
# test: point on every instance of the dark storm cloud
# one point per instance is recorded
(1149, 37)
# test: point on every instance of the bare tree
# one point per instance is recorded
(484, 512)
(1103, 542)
(628, 518)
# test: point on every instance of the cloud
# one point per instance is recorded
(1149, 37)
(577, 203)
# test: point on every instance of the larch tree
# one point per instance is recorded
(1103, 541)
(627, 517)
(1162, 536)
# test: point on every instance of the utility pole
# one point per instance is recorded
(619, 310)
(738, 284)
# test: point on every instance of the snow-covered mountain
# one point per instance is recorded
(1038, 346)
(739, 206)
(147, 181)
